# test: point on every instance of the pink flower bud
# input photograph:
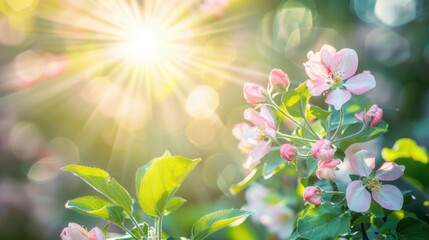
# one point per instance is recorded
(326, 169)
(278, 78)
(313, 195)
(373, 116)
(254, 93)
(288, 151)
(95, 234)
(74, 232)
(322, 150)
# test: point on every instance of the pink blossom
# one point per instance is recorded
(372, 117)
(322, 150)
(313, 194)
(95, 234)
(278, 78)
(255, 141)
(326, 169)
(288, 151)
(74, 232)
(388, 196)
(254, 93)
(333, 72)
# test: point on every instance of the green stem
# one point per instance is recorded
(340, 124)
(274, 104)
(350, 136)
(295, 137)
(128, 231)
(137, 225)
(308, 124)
(334, 192)
(158, 224)
(328, 127)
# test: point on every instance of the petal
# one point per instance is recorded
(362, 163)
(338, 97)
(390, 171)
(327, 55)
(316, 70)
(239, 130)
(359, 116)
(358, 198)
(361, 83)
(259, 151)
(317, 87)
(389, 197)
(345, 62)
(265, 113)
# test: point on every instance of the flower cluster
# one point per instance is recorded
(321, 135)
(76, 232)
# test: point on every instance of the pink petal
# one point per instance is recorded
(316, 70)
(362, 163)
(327, 55)
(345, 62)
(389, 197)
(361, 83)
(265, 113)
(317, 87)
(390, 171)
(358, 198)
(337, 98)
(261, 149)
(239, 130)
(359, 116)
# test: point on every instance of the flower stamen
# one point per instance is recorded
(374, 184)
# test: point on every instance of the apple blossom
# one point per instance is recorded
(326, 169)
(372, 117)
(388, 196)
(313, 194)
(322, 150)
(333, 72)
(254, 93)
(278, 78)
(288, 151)
(95, 234)
(74, 231)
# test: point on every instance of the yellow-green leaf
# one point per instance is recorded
(215, 221)
(174, 204)
(101, 181)
(405, 148)
(160, 181)
(97, 207)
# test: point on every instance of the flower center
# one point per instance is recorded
(373, 184)
(337, 79)
(261, 135)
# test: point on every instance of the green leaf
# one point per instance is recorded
(319, 113)
(323, 222)
(174, 204)
(296, 100)
(101, 181)
(273, 164)
(238, 187)
(97, 207)
(405, 148)
(412, 228)
(144, 227)
(215, 221)
(160, 182)
(306, 167)
(367, 134)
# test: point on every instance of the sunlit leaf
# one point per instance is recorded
(323, 222)
(101, 181)
(296, 100)
(174, 204)
(273, 164)
(215, 221)
(253, 175)
(97, 207)
(405, 148)
(319, 113)
(160, 182)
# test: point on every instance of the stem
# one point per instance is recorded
(350, 136)
(340, 124)
(328, 130)
(334, 192)
(128, 231)
(308, 124)
(274, 104)
(294, 137)
(158, 225)
(137, 225)
(364, 235)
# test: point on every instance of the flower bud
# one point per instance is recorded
(326, 169)
(288, 151)
(74, 232)
(313, 195)
(254, 93)
(95, 234)
(278, 78)
(372, 117)
(322, 150)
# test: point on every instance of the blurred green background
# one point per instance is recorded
(72, 91)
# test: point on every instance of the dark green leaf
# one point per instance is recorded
(215, 221)
(273, 164)
(101, 181)
(412, 228)
(353, 133)
(323, 222)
